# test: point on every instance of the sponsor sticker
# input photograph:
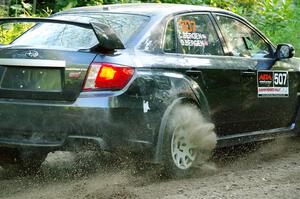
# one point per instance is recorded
(187, 25)
(272, 84)
(189, 36)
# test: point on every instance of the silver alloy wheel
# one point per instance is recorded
(183, 153)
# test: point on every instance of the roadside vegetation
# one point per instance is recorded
(278, 19)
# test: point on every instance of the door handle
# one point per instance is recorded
(194, 73)
(249, 73)
(197, 75)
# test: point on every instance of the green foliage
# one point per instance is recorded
(8, 32)
(63, 4)
(277, 19)
(22, 9)
(288, 33)
(3, 11)
(272, 15)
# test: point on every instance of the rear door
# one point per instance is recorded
(269, 92)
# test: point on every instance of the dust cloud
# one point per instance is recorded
(264, 170)
(198, 131)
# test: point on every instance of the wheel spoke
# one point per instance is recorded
(184, 162)
(178, 159)
(188, 151)
(176, 151)
(189, 155)
(182, 152)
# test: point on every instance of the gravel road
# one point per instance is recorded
(270, 170)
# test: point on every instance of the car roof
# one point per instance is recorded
(149, 9)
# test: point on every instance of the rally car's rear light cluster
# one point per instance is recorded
(106, 76)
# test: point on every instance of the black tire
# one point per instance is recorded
(188, 141)
(25, 162)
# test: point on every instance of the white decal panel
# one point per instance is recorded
(272, 84)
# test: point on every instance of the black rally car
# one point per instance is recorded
(113, 76)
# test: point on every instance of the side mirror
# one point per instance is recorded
(284, 51)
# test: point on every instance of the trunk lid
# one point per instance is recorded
(50, 57)
(42, 74)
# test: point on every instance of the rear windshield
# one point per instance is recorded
(69, 36)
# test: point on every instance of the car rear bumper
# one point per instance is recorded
(109, 120)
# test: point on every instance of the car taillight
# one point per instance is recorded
(105, 76)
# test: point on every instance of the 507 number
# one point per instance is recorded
(280, 79)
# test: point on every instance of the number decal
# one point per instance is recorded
(187, 26)
(272, 84)
(280, 79)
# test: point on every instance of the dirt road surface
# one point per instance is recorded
(271, 170)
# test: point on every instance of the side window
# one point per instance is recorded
(196, 35)
(170, 45)
(242, 41)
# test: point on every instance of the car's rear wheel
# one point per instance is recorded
(183, 153)
(189, 140)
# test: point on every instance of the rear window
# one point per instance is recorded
(69, 36)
